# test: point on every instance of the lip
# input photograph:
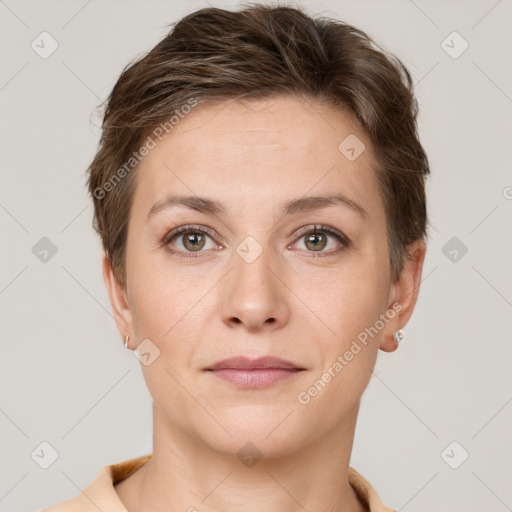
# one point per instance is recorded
(259, 373)
(245, 363)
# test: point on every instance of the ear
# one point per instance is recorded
(118, 299)
(404, 292)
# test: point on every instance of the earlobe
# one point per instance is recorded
(118, 299)
(404, 292)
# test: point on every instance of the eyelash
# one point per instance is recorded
(344, 241)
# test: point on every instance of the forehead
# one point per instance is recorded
(260, 151)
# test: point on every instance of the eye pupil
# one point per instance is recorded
(195, 239)
(315, 239)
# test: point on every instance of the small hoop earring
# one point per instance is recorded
(399, 336)
(126, 341)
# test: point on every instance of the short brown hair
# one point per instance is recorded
(259, 52)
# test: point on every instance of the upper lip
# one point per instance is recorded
(246, 363)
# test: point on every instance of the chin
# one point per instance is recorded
(255, 444)
(269, 429)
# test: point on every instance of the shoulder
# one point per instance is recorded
(366, 492)
(100, 493)
(80, 503)
(72, 505)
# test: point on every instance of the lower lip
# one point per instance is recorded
(254, 379)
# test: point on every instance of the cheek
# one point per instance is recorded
(348, 298)
(153, 290)
(155, 306)
(354, 342)
(166, 307)
(349, 353)
(349, 304)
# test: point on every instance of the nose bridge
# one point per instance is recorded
(252, 276)
(254, 294)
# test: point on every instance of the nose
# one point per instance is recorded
(255, 294)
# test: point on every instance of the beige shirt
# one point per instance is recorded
(101, 495)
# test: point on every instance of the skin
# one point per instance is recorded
(293, 302)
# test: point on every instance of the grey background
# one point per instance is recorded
(66, 378)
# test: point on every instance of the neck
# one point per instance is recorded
(185, 474)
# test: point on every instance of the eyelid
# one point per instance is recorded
(343, 241)
(321, 228)
(191, 228)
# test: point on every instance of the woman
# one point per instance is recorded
(259, 193)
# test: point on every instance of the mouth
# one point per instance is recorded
(260, 373)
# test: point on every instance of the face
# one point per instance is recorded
(270, 272)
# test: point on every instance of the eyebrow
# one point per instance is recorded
(303, 204)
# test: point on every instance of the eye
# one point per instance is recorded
(190, 239)
(317, 239)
